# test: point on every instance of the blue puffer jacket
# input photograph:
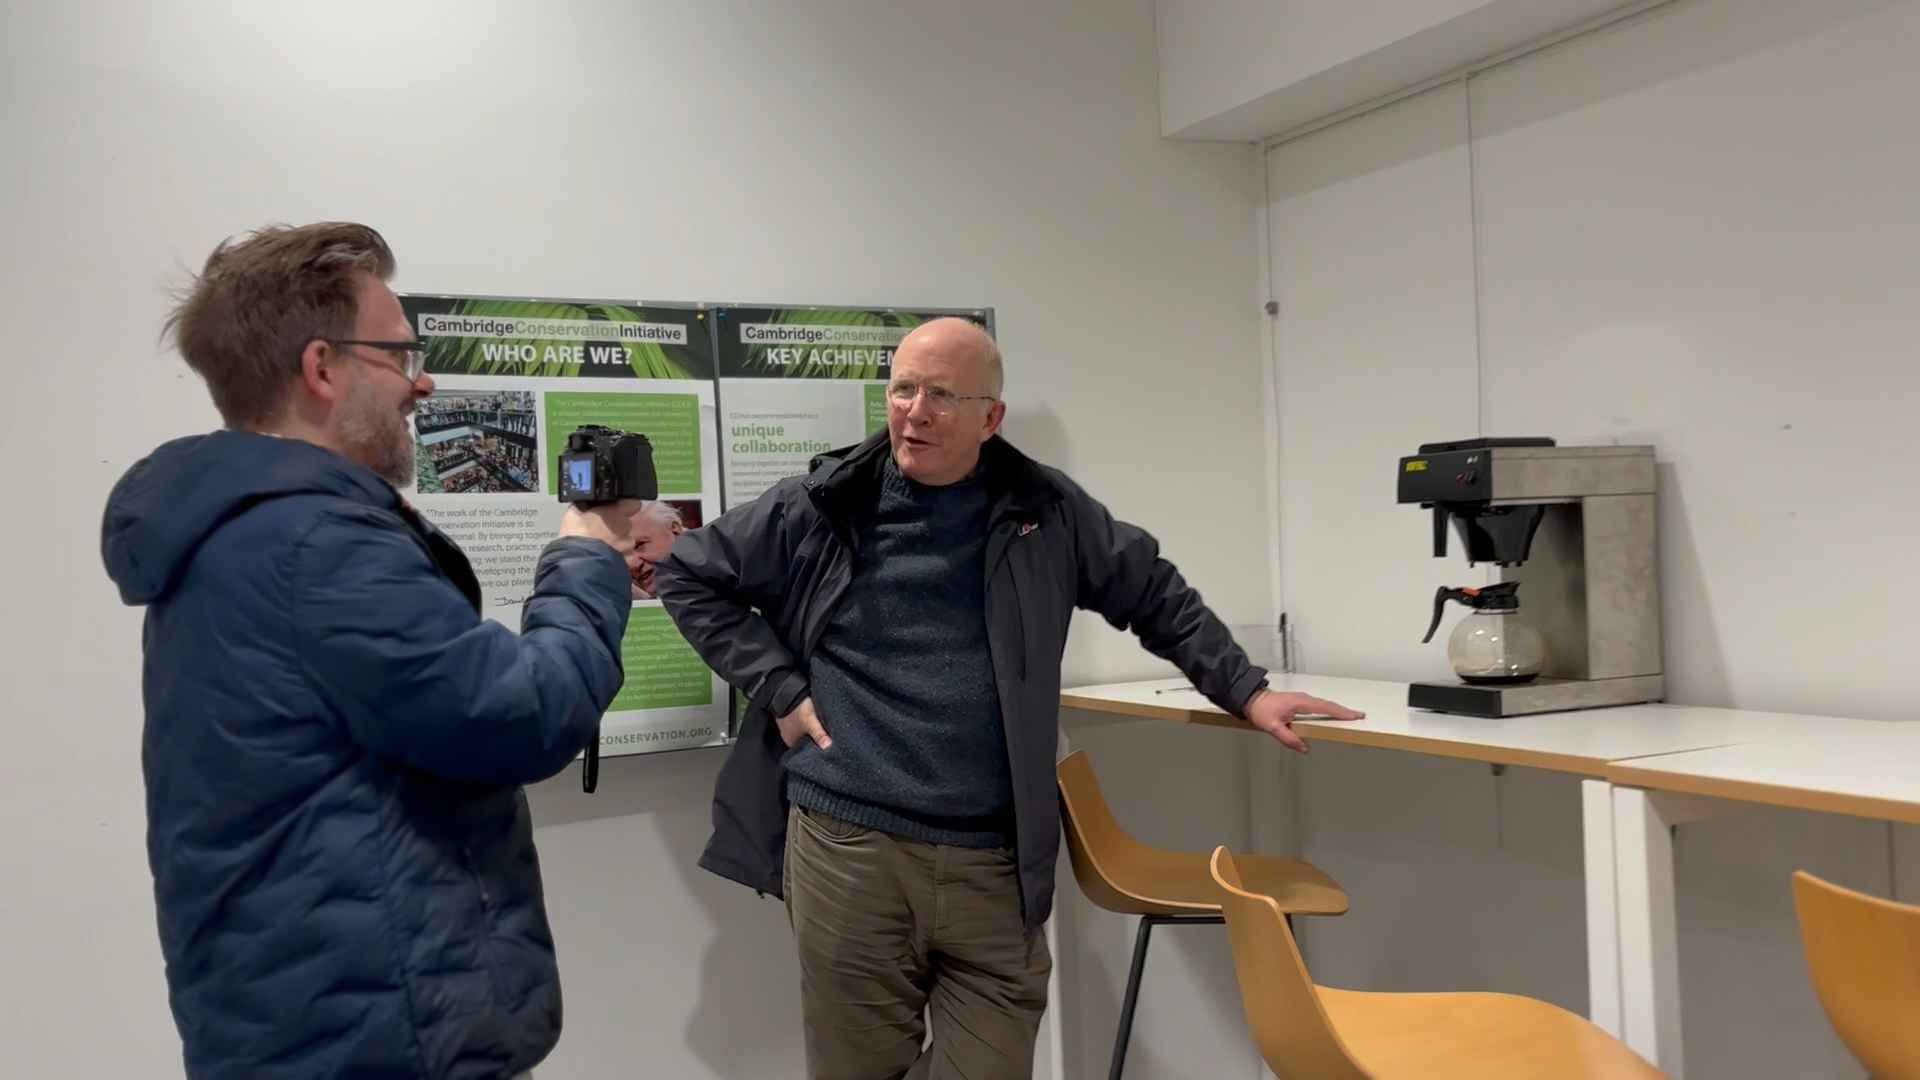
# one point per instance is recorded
(342, 856)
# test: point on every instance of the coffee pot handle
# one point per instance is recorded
(1440, 599)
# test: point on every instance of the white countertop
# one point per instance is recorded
(1873, 775)
(1583, 742)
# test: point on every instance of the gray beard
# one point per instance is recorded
(378, 437)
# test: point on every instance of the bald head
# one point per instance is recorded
(944, 401)
(963, 343)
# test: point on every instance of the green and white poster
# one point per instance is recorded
(796, 381)
(512, 379)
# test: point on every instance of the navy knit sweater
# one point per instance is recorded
(903, 682)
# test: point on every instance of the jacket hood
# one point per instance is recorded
(164, 507)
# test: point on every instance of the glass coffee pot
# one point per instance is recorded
(1493, 646)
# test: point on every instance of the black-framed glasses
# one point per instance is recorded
(940, 400)
(413, 354)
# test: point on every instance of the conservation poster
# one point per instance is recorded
(512, 379)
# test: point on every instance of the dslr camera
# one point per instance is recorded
(602, 465)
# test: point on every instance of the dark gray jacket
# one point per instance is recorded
(753, 591)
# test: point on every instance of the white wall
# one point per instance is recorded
(1695, 230)
(1376, 344)
(917, 153)
(1252, 69)
(1216, 54)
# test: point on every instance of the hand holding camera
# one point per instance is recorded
(606, 477)
(614, 523)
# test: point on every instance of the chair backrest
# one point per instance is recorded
(1283, 1009)
(1097, 845)
(1863, 954)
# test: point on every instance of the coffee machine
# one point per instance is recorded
(1572, 528)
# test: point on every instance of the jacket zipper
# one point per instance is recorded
(487, 912)
(818, 628)
(849, 549)
(1013, 589)
(1007, 735)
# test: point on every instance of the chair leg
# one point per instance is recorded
(1147, 923)
(1120, 1039)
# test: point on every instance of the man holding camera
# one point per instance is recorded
(335, 740)
(898, 617)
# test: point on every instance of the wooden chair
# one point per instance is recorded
(1863, 954)
(1120, 874)
(1306, 1031)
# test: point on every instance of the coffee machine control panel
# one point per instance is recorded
(1459, 476)
(1457, 471)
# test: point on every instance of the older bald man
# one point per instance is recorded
(898, 617)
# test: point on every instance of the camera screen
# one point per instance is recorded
(576, 476)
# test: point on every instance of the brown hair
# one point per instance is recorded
(247, 317)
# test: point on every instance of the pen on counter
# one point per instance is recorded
(1286, 647)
